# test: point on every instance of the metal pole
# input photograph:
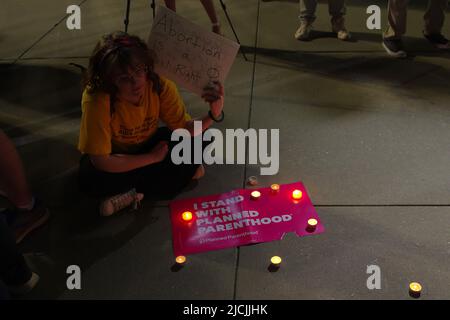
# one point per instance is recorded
(153, 7)
(232, 27)
(127, 16)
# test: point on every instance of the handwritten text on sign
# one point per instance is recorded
(234, 219)
(188, 54)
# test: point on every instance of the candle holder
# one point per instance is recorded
(180, 261)
(415, 289)
(312, 225)
(274, 188)
(275, 263)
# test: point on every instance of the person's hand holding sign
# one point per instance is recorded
(213, 94)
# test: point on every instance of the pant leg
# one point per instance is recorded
(308, 10)
(435, 16)
(13, 268)
(166, 179)
(336, 8)
(397, 13)
(97, 183)
(163, 179)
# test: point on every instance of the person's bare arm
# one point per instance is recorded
(117, 163)
(210, 10)
(206, 123)
(214, 96)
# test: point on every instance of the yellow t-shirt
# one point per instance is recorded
(129, 126)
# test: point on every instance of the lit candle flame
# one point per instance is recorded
(297, 194)
(415, 287)
(275, 188)
(187, 216)
(255, 194)
(180, 259)
(275, 260)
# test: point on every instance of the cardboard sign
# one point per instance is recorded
(235, 219)
(188, 54)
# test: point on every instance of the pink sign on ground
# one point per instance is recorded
(237, 218)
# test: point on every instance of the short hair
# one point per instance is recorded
(116, 52)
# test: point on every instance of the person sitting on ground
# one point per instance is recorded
(27, 214)
(434, 21)
(124, 153)
(210, 10)
(307, 17)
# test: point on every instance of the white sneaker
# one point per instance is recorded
(343, 35)
(303, 32)
(118, 202)
(338, 27)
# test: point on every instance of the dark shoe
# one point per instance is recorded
(438, 40)
(394, 47)
(25, 287)
(25, 221)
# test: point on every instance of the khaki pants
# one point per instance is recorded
(336, 8)
(397, 11)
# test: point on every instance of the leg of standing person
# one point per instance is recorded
(212, 14)
(14, 271)
(392, 37)
(337, 12)
(28, 213)
(434, 21)
(13, 183)
(171, 4)
(209, 8)
(307, 17)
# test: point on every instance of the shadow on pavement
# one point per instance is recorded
(363, 68)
